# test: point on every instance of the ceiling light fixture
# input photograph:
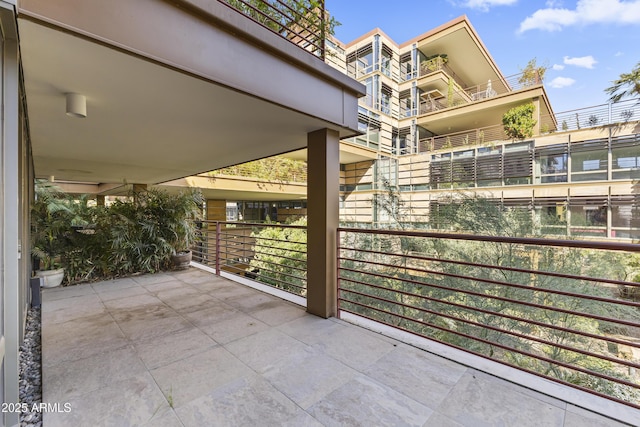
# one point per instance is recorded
(76, 105)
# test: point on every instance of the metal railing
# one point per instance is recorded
(584, 118)
(303, 23)
(560, 309)
(271, 254)
(479, 92)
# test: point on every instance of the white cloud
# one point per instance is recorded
(485, 5)
(582, 61)
(560, 82)
(619, 53)
(557, 67)
(586, 12)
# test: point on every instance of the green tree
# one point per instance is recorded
(627, 85)
(518, 122)
(280, 257)
(532, 73)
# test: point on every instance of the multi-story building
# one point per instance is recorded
(433, 117)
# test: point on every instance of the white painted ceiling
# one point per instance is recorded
(145, 123)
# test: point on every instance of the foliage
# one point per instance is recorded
(450, 93)
(519, 122)
(280, 258)
(457, 295)
(532, 73)
(627, 85)
(273, 169)
(133, 235)
(52, 221)
(297, 20)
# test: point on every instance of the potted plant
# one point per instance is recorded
(179, 221)
(51, 219)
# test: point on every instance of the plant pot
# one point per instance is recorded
(51, 278)
(181, 260)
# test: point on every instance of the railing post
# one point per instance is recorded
(218, 228)
(338, 273)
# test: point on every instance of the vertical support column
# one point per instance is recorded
(100, 200)
(11, 286)
(323, 193)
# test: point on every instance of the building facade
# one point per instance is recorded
(432, 117)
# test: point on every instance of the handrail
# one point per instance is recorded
(549, 307)
(305, 28)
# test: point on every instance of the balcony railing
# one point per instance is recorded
(478, 92)
(302, 22)
(584, 118)
(271, 254)
(559, 309)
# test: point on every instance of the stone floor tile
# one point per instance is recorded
(113, 294)
(149, 328)
(148, 279)
(232, 327)
(196, 277)
(154, 288)
(190, 378)
(232, 292)
(169, 348)
(110, 285)
(190, 302)
(132, 302)
(439, 420)
(355, 347)
(66, 380)
(80, 308)
(252, 302)
(248, 401)
(309, 328)
(81, 338)
(71, 302)
(364, 402)
(215, 312)
(176, 292)
(165, 419)
(130, 402)
(61, 292)
(424, 377)
(277, 312)
(482, 400)
(264, 350)
(309, 377)
(578, 417)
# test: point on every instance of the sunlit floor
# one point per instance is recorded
(192, 349)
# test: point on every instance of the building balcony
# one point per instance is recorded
(190, 348)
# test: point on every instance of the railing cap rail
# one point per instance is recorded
(583, 244)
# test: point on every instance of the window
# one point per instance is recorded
(360, 62)
(516, 164)
(625, 153)
(588, 216)
(589, 160)
(551, 164)
(489, 167)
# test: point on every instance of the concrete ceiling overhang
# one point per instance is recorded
(146, 123)
(485, 113)
(465, 54)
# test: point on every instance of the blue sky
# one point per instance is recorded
(585, 43)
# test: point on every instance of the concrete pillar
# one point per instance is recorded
(13, 245)
(99, 200)
(323, 192)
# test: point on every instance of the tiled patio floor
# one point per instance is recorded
(192, 349)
